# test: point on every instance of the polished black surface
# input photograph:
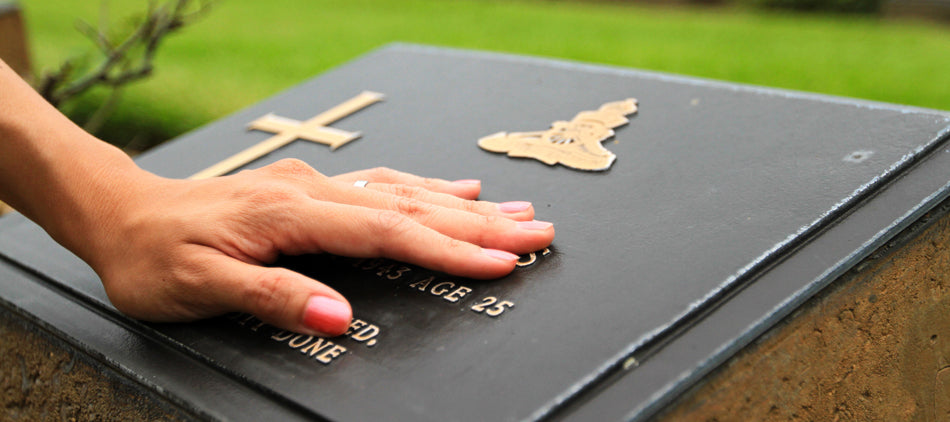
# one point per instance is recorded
(716, 188)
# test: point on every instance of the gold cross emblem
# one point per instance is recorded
(288, 130)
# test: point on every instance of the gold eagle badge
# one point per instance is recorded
(575, 144)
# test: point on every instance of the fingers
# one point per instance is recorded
(515, 210)
(282, 298)
(403, 220)
(466, 188)
(458, 194)
(488, 230)
(366, 232)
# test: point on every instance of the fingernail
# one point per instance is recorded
(500, 254)
(534, 225)
(468, 182)
(327, 315)
(514, 206)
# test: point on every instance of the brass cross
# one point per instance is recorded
(288, 130)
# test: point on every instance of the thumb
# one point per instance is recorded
(283, 298)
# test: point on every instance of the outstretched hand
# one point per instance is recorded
(181, 250)
(177, 250)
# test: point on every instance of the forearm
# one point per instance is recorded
(51, 170)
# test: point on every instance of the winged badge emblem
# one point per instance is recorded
(575, 144)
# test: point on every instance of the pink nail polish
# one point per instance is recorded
(534, 225)
(500, 254)
(327, 315)
(514, 206)
(468, 182)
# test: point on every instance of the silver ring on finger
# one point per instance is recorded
(361, 183)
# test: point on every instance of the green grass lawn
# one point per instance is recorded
(246, 50)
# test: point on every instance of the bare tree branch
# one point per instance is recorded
(125, 60)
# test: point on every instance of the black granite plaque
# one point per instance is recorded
(727, 206)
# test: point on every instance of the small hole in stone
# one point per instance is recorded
(933, 338)
(858, 156)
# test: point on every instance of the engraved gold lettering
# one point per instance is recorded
(423, 284)
(355, 325)
(251, 322)
(457, 294)
(319, 348)
(499, 308)
(373, 263)
(447, 290)
(245, 318)
(492, 307)
(384, 269)
(527, 260)
(532, 257)
(333, 353)
(363, 332)
(282, 335)
(480, 307)
(299, 340)
(367, 335)
(316, 347)
(399, 272)
(441, 288)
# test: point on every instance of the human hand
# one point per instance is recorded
(175, 250)
(178, 250)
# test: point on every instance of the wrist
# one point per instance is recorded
(89, 198)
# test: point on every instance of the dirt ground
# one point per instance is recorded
(40, 381)
(874, 346)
